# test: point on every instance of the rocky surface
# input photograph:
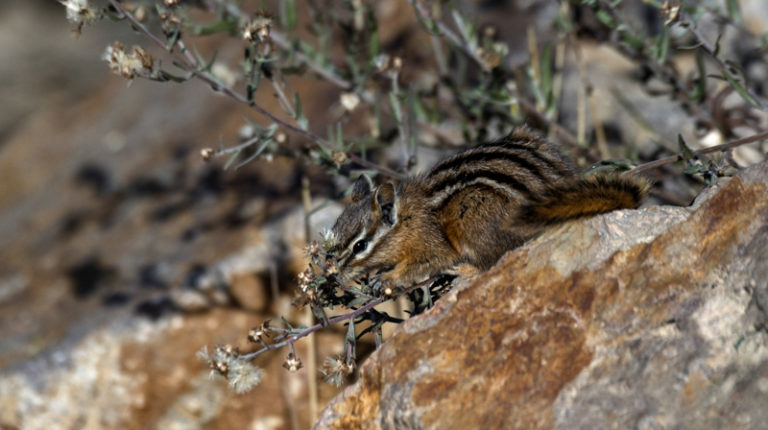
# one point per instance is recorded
(122, 253)
(643, 319)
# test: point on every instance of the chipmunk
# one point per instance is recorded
(469, 210)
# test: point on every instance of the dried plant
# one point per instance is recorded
(478, 93)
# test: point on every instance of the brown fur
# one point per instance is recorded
(585, 197)
(469, 209)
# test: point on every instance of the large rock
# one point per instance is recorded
(642, 319)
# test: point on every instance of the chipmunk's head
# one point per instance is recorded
(362, 225)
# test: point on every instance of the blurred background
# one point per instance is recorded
(123, 251)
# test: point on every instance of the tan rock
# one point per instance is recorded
(250, 292)
(635, 319)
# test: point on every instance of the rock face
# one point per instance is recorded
(643, 319)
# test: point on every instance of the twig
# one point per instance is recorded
(279, 90)
(283, 43)
(446, 32)
(457, 41)
(192, 66)
(717, 148)
(711, 51)
(312, 347)
(239, 147)
(400, 117)
(309, 330)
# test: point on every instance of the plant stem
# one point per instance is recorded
(191, 65)
(354, 314)
(722, 147)
(446, 32)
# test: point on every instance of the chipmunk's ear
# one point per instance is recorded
(385, 202)
(362, 188)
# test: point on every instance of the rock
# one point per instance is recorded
(250, 292)
(654, 318)
(131, 374)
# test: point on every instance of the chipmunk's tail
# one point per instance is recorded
(587, 196)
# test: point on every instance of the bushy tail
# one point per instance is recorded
(587, 196)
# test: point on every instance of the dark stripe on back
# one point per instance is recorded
(562, 167)
(466, 177)
(476, 156)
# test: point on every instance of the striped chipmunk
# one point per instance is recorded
(468, 210)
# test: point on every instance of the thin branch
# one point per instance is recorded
(278, 85)
(354, 314)
(239, 147)
(665, 72)
(192, 67)
(306, 198)
(281, 41)
(306, 332)
(459, 43)
(712, 52)
(717, 148)
(446, 32)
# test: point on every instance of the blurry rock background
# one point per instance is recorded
(122, 252)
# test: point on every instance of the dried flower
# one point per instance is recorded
(350, 101)
(80, 12)
(492, 57)
(140, 13)
(171, 20)
(381, 62)
(207, 153)
(313, 249)
(328, 239)
(228, 350)
(224, 74)
(247, 131)
(225, 361)
(670, 12)
(332, 268)
(305, 279)
(257, 29)
(281, 137)
(309, 296)
(339, 158)
(243, 376)
(129, 65)
(257, 334)
(292, 363)
(397, 63)
(335, 369)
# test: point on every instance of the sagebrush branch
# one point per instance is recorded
(192, 66)
(350, 315)
(717, 148)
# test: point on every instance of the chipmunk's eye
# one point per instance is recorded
(360, 246)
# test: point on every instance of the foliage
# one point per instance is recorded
(478, 93)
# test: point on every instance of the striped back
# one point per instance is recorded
(519, 164)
